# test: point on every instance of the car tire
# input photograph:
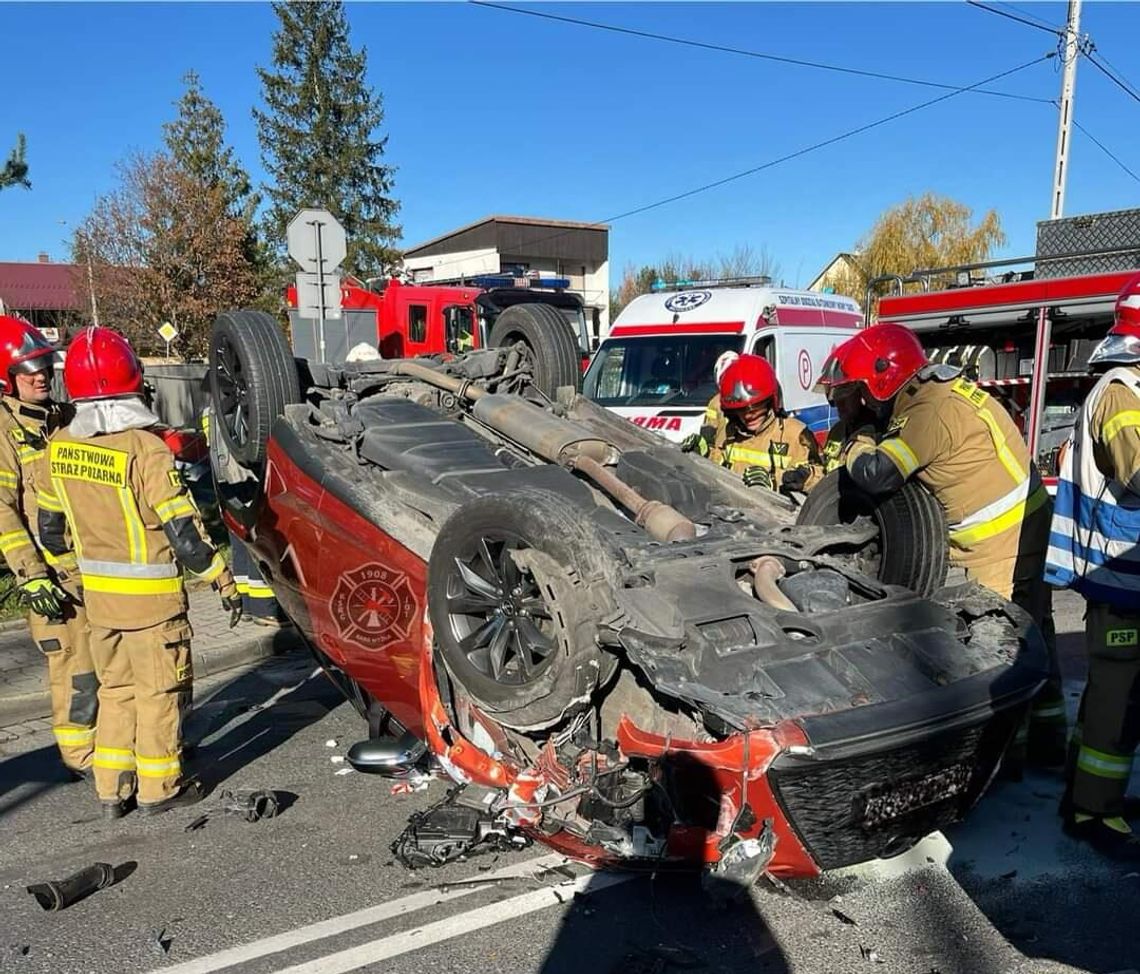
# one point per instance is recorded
(535, 661)
(253, 377)
(551, 340)
(913, 546)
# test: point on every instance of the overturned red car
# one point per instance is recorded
(618, 648)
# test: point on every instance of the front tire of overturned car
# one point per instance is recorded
(913, 546)
(552, 343)
(513, 609)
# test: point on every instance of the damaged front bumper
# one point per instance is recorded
(800, 795)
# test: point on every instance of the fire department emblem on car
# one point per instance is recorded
(687, 300)
(373, 607)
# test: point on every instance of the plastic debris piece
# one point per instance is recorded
(198, 823)
(344, 771)
(331, 742)
(337, 759)
(250, 805)
(160, 942)
(842, 917)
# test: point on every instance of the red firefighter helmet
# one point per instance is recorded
(22, 349)
(101, 365)
(748, 381)
(883, 357)
(1122, 343)
(723, 361)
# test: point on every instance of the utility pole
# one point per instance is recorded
(1071, 49)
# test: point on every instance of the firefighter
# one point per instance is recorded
(758, 439)
(111, 479)
(48, 585)
(1095, 550)
(856, 423)
(950, 435)
(702, 441)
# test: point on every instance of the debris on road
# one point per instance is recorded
(250, 805)
(457, 827)
(160, 941)
(198, 823)
(58, 894)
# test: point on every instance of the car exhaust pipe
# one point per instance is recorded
(766, 571)
(551, 437)
(661, 522)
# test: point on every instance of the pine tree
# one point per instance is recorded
(196, 142)
(319, 135)
(15, 171)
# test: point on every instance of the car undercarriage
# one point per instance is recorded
(616, 648)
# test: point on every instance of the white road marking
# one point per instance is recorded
(232, 956)
(417, 938)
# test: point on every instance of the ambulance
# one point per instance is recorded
(655, 367)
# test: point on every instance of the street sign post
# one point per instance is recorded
(317, 242)
(167, 332)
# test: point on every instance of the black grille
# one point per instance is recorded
(877, 805)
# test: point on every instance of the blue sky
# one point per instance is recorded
(490, 112)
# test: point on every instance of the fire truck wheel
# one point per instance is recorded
(551, 340)
(912, 548)
(252, 379)
(513, 608)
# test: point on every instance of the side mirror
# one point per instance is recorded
(392, 757)
(451, 329)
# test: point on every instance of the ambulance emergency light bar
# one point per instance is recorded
(712, 282)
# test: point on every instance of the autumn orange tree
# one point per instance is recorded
(921, 232)
(174, 241)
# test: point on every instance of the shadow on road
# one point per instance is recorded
(254, 714)
(662, 925)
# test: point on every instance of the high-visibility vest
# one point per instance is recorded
(1094, 542)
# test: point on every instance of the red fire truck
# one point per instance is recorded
(405, 320)
(1024, 337)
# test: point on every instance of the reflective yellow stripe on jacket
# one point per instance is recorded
(739, 454)
(1004, 513)
(1121, 421)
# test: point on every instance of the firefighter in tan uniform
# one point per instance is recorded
(134, 526)
(855, 426)
(768, 448)
(963, 447)
(56, 619)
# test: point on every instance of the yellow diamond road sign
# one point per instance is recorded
(167, 332)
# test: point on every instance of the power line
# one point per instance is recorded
(723, 49)
(1119, 82)
(1119, 73)
(791, 155)
(1105, 149)
(1044, 23)
(826, 142)
(1021, 20)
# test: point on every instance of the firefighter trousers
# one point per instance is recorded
(257, 598)
(145, 684)
(1108, 723)
(1041, 739)
(71, 677)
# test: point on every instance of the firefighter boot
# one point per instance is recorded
(1111, 837)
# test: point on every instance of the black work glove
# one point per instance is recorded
(795, 479)
(233, 607)
(43, 597)
(695, 443)
(758, 477)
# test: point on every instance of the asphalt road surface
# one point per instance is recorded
(316, 890)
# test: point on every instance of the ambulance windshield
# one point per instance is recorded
(655, 370)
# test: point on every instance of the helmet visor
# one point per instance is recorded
(1116, 349)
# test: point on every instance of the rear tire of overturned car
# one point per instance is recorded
(551, 340)
(252, 379)
(913, 546)
(513, 608)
